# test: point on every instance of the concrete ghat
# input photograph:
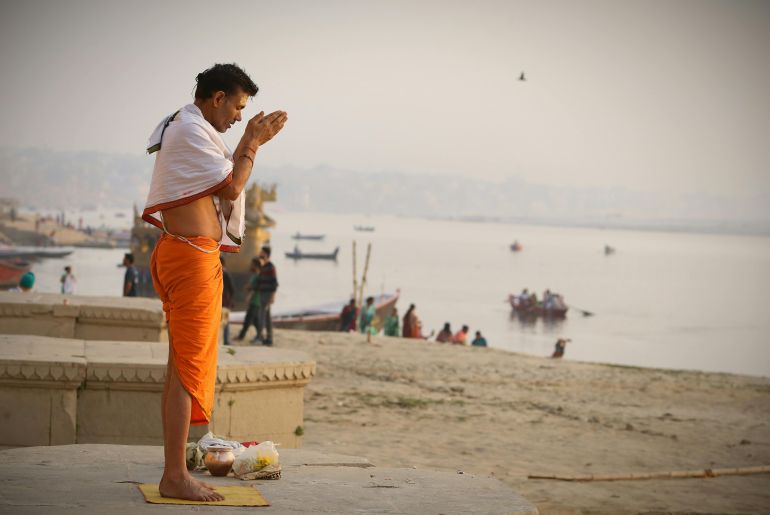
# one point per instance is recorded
(86, 317)
(98, 479)
(56, 391)
(83, 317)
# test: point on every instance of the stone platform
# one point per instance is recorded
(99, 479)
(86, 317)
(56, 391)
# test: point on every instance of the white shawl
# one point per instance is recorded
(193, 162)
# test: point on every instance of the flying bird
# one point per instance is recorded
(522, 77)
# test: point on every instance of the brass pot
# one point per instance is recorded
(219, 460)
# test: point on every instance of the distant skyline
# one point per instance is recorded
(666, 97)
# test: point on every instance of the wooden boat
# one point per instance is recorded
(8, 252)
(364, 228)
(11, 271)
(316, 237)
(298, 254)
(325, 317)
(539, 310)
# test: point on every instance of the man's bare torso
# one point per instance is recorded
(198, 218)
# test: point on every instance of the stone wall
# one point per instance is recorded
(85, 317)
(62, 391)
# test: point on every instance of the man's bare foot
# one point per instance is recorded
(203, 483)
(186, 487)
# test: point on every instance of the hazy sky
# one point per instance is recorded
(660, 95)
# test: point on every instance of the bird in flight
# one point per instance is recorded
(522, 77)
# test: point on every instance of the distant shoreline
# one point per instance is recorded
(737, 229)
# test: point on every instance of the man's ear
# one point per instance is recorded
(219, 98)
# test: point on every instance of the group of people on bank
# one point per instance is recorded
(366, 321)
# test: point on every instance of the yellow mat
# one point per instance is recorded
(234, 496)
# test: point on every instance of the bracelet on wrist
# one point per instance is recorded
(249, 158)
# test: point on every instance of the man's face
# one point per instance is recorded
(227, 109)
(263, 257)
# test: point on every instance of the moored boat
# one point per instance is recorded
(325, 317)
(10, 251)
(11, 271)
(298, 254)
(316, 237)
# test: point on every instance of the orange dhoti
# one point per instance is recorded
(189, 282)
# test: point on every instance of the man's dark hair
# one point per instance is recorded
(129, 257)
(223, 77)
(266, 250)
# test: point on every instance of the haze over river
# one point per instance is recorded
(672, 300)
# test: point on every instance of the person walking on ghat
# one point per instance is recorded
(267, 285)
(131, 279)
(228, 291)
(68, 281)
(252, 315)
(197, 199)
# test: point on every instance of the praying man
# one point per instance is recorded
(197, 199)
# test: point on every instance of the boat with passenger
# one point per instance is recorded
(528, 306)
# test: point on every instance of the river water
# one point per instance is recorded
(671, 300)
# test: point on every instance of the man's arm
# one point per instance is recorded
(259, 131)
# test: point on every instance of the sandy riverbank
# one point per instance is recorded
(488, 412)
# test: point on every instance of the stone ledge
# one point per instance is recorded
(88, 318)
(97, 479)
(44, 358)
(112, 391)
(135, 309)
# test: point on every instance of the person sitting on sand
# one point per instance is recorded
(348, 317)
(461, 337)
(391, 324)
(409, 319)
(558, 350)
(412, 326)
(479, 341)
(445, 335)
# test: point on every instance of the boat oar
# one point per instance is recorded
(583, 311)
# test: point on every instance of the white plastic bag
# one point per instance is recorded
(258, 462)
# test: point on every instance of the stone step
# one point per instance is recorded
(99, 479)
